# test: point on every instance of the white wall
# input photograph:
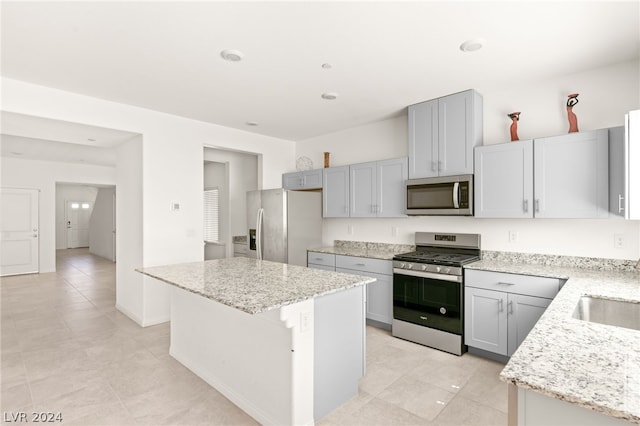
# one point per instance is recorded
(605, 95)
(101, 224)
(70, 192)
(43, 175)
(171, 166)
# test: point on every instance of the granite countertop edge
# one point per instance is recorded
(167, 274)
(370, 253)
(568, 359)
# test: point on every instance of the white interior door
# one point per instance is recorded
(19, 242)
(78, 214)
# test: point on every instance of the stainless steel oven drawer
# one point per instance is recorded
(512, 283)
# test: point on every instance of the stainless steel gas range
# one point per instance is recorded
(428, 290)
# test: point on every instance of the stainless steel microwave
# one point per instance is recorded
(443, 196)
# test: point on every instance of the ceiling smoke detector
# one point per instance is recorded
(472, 45)
(329, 96)
(232, 55)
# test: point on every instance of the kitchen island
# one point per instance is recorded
(569, 371)
(285, 343)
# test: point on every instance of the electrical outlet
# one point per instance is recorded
(618, 240)
(513, 237)
(305, 321)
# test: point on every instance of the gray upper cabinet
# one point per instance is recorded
(442, 134)
(624, 173)
(363, 194)
(571, 175)
(377, 188)
(504, 180)
(335, 191)
(308, 179)
(564, 176)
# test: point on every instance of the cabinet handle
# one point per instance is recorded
(510, 304)
(434, 167)
(526, 206)
(441, 165)
(505, 283)
(620, 206)
(361, 264)
(318, 258)
(500, 306)
(537, 207)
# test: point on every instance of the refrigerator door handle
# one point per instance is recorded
(259, 234)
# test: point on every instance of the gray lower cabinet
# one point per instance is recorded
(335, 192)
(501, 309)
(324, 261)
(379, 293)
(564, 176)
(308, 179)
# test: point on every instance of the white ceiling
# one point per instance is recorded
(384, 55)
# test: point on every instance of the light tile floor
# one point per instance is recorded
(65, 348)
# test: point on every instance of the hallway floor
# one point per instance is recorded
(66, 349)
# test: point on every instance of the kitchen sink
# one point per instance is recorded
(610, 312)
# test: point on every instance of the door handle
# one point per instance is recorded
(456, 195)
(537, 206)
(500, 306)
(525, 206)
(510, 304)
(620, 206)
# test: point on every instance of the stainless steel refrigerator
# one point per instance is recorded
(283, 224)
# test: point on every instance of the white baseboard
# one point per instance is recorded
(140, 321)
(130, 314)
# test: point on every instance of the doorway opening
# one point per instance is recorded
(86, 218)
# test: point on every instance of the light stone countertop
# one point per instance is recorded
(251, 285)
(365, 249)
(593, 365)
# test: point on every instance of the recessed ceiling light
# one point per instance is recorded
(16, 153)
(329, 96)
(472, 45)
(251, 123)
(91, 140)
(232, 55)
(327, 66)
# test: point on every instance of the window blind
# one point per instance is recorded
(211, 217)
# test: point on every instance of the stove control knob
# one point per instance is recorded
(423, 267)
(438, 269)
(410, 266)
(448, 270)
(402, 265)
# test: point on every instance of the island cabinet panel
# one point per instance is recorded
(536, 409)
(339, 350)
(442, 134)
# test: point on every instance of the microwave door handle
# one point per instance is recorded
(456, 195)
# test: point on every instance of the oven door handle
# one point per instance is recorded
(421, 274)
